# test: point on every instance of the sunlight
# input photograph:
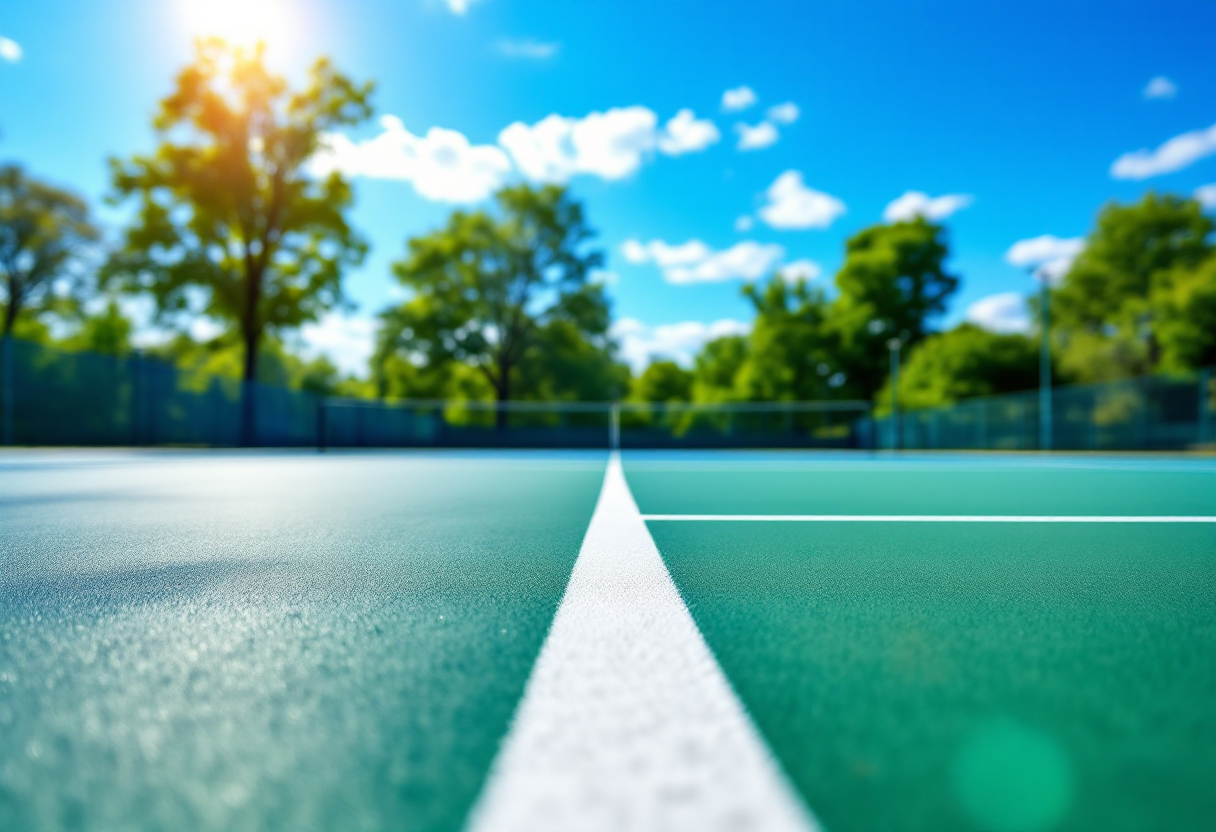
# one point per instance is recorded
(243, 22)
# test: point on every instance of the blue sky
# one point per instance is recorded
(1015, 120)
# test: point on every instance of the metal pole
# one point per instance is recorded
(321, 438)
(1045, 422)
(614, 428)
(894, 346)
(6, 430)
(1205, 407)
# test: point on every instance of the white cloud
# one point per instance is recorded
(680, 342)
(744, 223)
(10, 50)
(1176, 154)
(1160, 87)
(747, 260)
(610, 145)
(796, 270)
(1004, 313)
(695, 262)
(442, 165)
(915, 204)
(1206, 195)
(1051, 256)
(684, 133)
(740, 98)
(346, 341)
(786, 113)
(664, 254)
(791, 204)
(528, 48)
(459, 6)
(762, 135)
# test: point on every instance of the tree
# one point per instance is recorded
(488, 288)
(892, 285)
(44, 231)
(231, 221)
(1184, 311)
(716, 370)
(962, 363)
(792, 355)
(574, 360)
(664, 382)
(1130, 290)
(107, 332)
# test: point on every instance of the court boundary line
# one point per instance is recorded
(928, 518)
(627, 720)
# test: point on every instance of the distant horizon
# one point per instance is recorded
(708, 151)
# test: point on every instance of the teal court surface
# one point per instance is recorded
(539, 640)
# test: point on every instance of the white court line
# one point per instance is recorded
(933, 518)
(627, 721)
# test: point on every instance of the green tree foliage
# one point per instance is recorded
(107, 332)
(507, 293)
(791, 355)
(1184, 316)
(961, 363)
(230, 221)
(717, 368)
(662, 381)
(573, 362)
(223, 358)
(1139, 297)
(892, 285)
(44, 232)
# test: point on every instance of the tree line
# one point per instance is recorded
(229, 222)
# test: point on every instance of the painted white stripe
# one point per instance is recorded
(627, 722)
(930, 518)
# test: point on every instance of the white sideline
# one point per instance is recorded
(932, 518)
(627, 722)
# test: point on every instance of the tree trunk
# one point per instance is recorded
(11, 310)
(251, 333)
(6, 343)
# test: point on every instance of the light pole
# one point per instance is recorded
(893, 345)
(1045, 425)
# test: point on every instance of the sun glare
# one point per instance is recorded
(244, 22)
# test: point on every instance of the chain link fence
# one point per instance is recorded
(1153, 413)
(52, 397)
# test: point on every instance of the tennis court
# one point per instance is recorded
(547, 640)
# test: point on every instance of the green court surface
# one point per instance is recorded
(271, 642)
(939, 676)
(294, 641)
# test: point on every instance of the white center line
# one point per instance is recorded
(934, 518)
(628, 722)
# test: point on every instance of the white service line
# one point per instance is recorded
(627, 722)
(932, 518)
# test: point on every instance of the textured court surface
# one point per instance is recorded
(277, 642)
(282, 641)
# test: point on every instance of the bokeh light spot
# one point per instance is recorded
(1010, 777)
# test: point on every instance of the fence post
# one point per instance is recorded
(1146, 415)
(614, 428)
(136, 363)
(1205, 406)
(321, 438)
(6, 432)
